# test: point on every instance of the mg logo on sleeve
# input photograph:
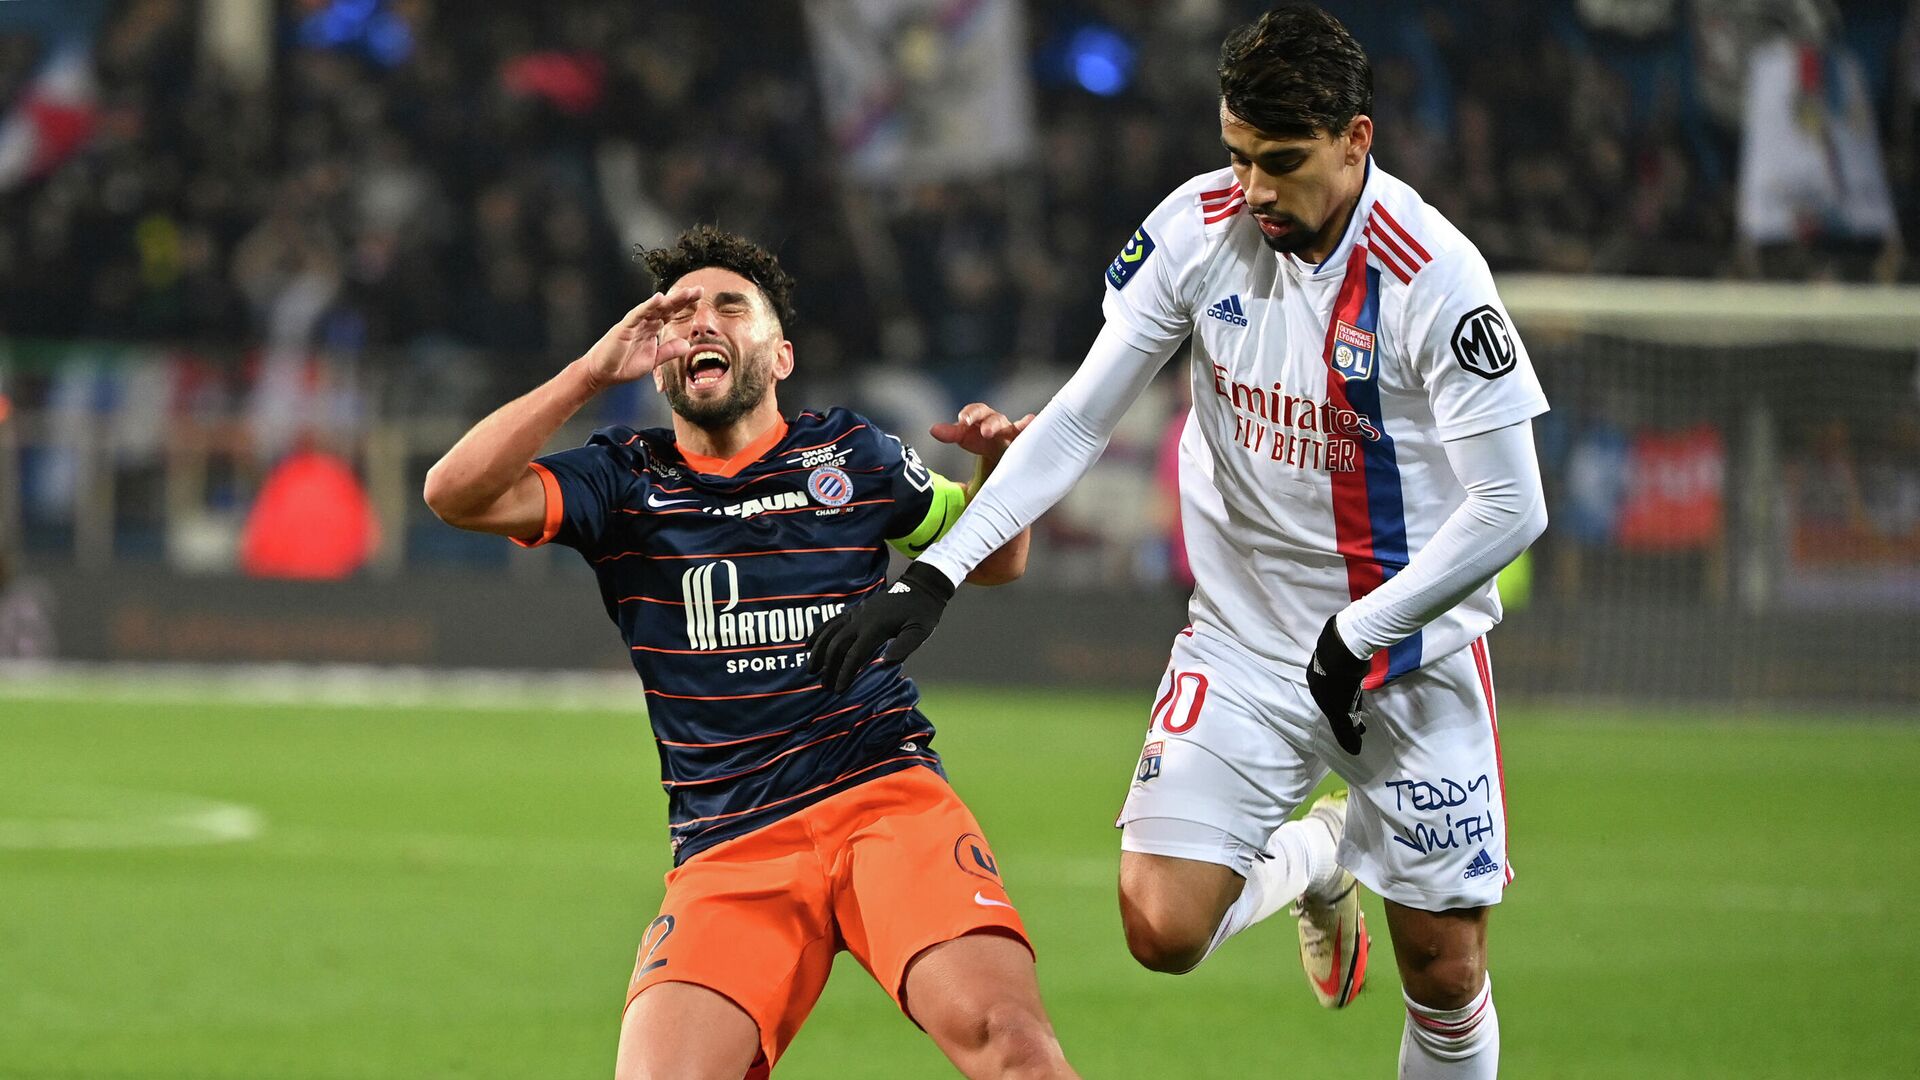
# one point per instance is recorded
(1483, 344)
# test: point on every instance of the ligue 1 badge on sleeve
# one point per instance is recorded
(1130, 259)
(1352, 352)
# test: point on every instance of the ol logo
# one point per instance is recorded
(1149, 762)
(1352, 351)
(1130, 259)
(970, 854)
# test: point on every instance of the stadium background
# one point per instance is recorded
(297, 782)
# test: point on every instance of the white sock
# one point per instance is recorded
(1301, 855)
(1452, 1044)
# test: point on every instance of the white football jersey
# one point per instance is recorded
(1313, 465)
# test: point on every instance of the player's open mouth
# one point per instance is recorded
(1272, 227)
(706, 368)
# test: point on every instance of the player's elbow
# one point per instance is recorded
(1005, 565)
(1523, 527)
(444, 497)
(996, 575)
(1512, 521)
(438, 493)
(1536, 519)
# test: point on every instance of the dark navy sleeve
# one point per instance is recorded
(586, 487)
(903, 477)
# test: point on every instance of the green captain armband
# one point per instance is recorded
(949, 498)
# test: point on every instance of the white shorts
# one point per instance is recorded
(1236, 744)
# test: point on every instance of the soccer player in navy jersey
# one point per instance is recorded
(803, 821)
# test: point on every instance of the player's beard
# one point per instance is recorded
(751, 377)
(1298, 237)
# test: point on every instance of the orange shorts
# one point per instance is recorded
(884, 870)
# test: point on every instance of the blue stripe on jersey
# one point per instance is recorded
(717, 582)
(1386, 512)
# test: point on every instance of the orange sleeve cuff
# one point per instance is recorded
(550, 527)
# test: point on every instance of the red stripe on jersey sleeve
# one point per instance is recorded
(1226, 212)
(1383, 253)
(1404, 234)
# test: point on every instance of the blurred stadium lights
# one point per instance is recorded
(363, 24)
(1102, 60)
(1092, 56)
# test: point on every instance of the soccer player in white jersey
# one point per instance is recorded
(1357, 467)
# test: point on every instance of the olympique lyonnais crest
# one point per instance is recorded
(1352, 351)
(1149, 763)
(831, 486)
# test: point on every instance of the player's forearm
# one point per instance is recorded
(1503, 513)
(1052, 454)
(491, 457)
(1009, 561)
(1045, 461)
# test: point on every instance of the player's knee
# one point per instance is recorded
(1001, 1038)
(1160, 940)
(651, 1069)
(1018, 1042)
(1442, 981)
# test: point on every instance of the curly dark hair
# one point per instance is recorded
(704, 245)
(1294, 72)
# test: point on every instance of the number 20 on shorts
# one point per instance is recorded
(1179, 708)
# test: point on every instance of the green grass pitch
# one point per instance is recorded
(441, 892)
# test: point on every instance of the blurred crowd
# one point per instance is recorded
(447, 189)
(417, 209)
(417, 175)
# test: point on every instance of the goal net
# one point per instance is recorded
(1733, 473)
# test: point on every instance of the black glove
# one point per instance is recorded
(907, 613)
(1333, 678)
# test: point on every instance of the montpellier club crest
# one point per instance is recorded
(830, 486)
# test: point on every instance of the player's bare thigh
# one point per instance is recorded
(680, 1031)
(978, 997)
(1170, 907)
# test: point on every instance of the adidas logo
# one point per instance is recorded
(1229, 311)
(1482, 864)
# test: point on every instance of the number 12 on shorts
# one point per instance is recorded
(1179, 707)
(658, 931)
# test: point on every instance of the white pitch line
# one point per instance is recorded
(104, 819)
(354, 685)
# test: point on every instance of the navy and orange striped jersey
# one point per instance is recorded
(716, 573)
